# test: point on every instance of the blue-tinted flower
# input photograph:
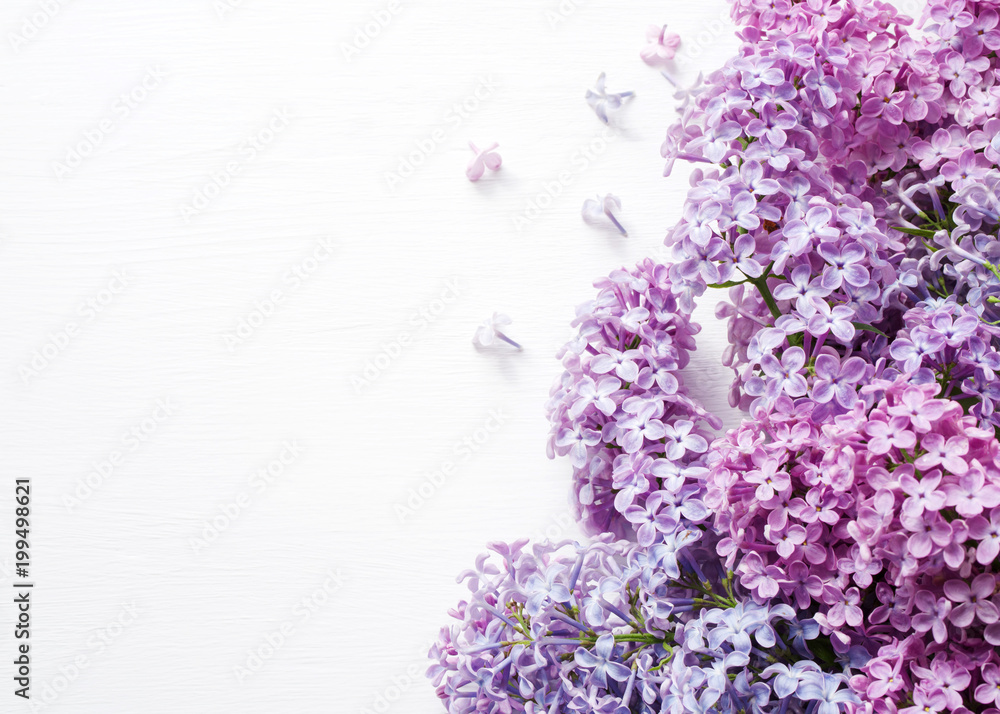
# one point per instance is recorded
(604, 102)
(604, 209)
(600, 661)
(827, 689)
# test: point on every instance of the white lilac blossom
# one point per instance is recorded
(603, 102)
(601, 210)
(490, 332)
(484, 159)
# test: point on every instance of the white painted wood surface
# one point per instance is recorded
(135, 610)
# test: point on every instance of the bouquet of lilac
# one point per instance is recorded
(838, 552)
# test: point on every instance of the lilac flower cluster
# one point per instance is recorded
(839, 551)
(613, 627)
(948, 344)
(853, 180)
(883, 522)
(621, 412)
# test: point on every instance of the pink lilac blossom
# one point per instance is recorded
(661, 46)
(904, 495)
(484, 159)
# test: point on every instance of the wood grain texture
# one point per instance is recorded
(211, 87)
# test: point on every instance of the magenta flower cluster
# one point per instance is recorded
(883, 523)
(839, 551)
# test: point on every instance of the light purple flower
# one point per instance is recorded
(802, 288)
(623, 363)
(973, 601)
(933, 615)
(601, 662)
(826, 689)
(490, 331)
(757, 576)
(786, 375)
(741, 212)
(680, 439)
(844, 265)
(837, 380)
(923, 494)
(948, 453)
(836, 320)
(604, 102)
(803, 235)
(596, 211)
(577, 440)
(951, 18)
(911, 351)
(596, 393)
(988, 535)
(989, 691)
(643, 424)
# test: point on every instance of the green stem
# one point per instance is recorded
(765, 292)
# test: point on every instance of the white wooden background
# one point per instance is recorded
(174, 169)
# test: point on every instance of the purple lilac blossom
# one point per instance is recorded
(883, 145)
(621, 409)
(903, 495)
(846, 194)
(565, 627)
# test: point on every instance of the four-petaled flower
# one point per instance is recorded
(786, 375)
(661, 46)
(973, 600)
(933, 615)
(989, 691)
(604, 102)
(601, 662)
